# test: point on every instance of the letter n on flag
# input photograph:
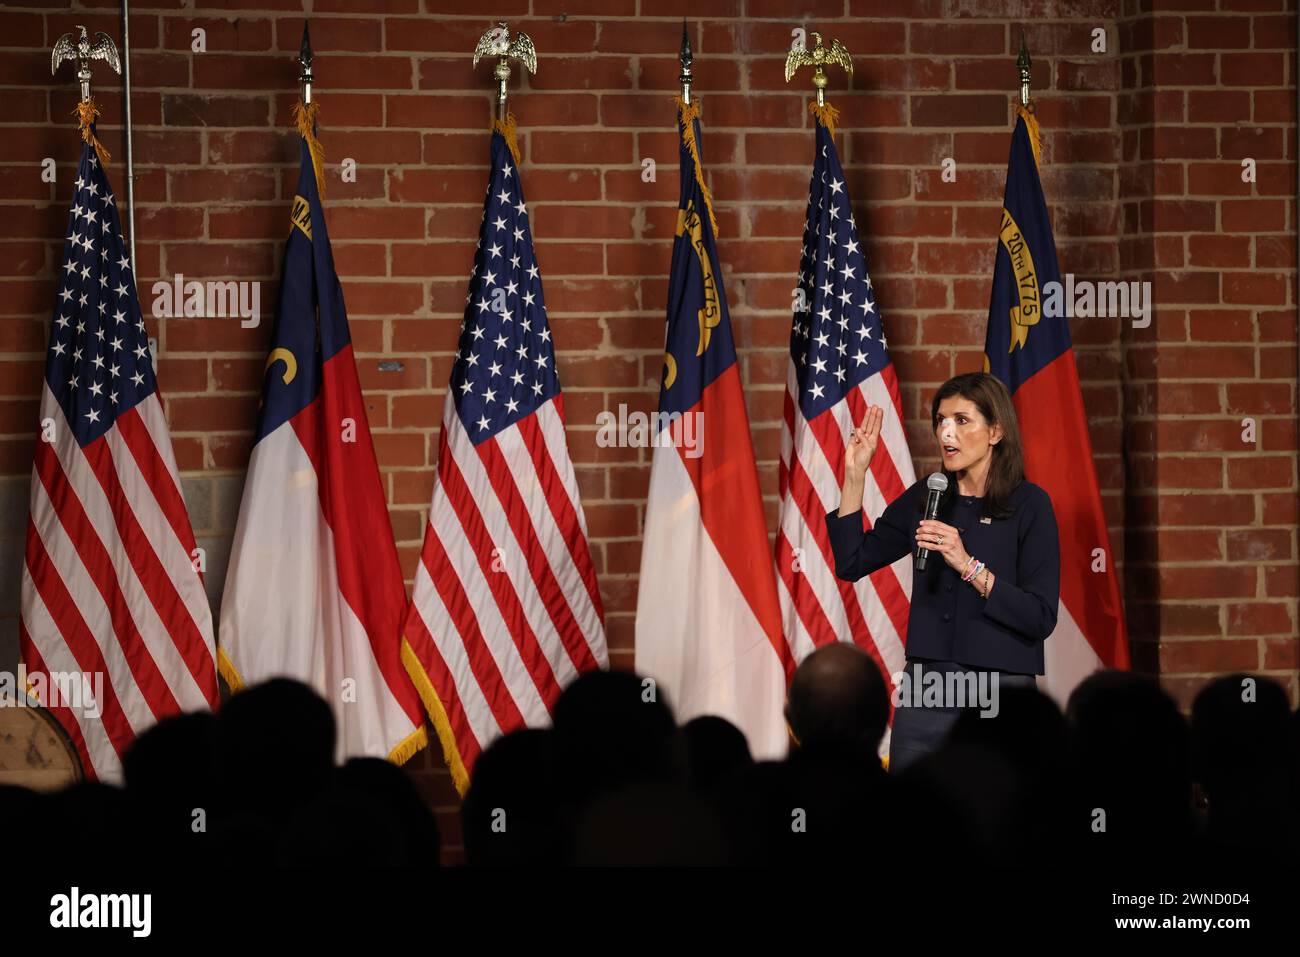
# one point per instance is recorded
(708, 620)
(314, 589)
(1032, 354)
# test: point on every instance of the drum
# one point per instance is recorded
(35, 751)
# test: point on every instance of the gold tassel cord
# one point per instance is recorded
(1035, 137)
(304, 117)
(85, 113)
(826, 115)
(688, 114)
(508, 129)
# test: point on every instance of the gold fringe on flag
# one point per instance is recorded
(234, 680)
(438, 715)
(826, 115)
(688, 113)
(304, 117)
(408, 746)
(1031, 124)
(85, 113)
(508, 129)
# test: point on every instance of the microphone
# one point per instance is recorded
(937, 484)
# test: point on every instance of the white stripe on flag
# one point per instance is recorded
(143, 613)
(552, 539)
(509, 553)
(483, 606)
(176, 564)
(57, 656)
(90, 604)
(552, 429)
(451, 646)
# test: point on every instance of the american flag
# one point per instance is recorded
(110, 585)
(838, 366)
(506, 611)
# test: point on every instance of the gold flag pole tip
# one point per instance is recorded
(306, 111)
(688, 112)
(1025, 108)
(496, 41)
(819, 58)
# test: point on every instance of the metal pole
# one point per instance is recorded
(126, 130)
(1023, 64)
(305, 56)
(685, 58)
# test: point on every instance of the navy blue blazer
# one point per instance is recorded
(949, 621)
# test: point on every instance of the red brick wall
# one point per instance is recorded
(1210, 519)
(1142, 151)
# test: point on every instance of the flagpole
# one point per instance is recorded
(686, 58)
(305, 77)
(1023, 64)
(126, 130)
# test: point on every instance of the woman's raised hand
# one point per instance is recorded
(861, 445)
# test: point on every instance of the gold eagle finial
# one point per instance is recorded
(498, 42)
(819, 56)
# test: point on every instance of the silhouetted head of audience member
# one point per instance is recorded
(395, 795)
(715, 750)
(838, 702)
(612, 729)
(341, 827)
(999, 779)
(1132, 751)
(89, 821)
(1241, 730)
(371, 816)
(649, 824)
(509, 815)
(19, 803)
(275, 750)
(170, 773)
(175, 760)
(1026, 727)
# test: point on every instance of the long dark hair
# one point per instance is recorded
(1007, 470)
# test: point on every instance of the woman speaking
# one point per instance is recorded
(987, 596)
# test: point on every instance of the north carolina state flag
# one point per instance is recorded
(1032, 354)
(314, 589)
(708, 619)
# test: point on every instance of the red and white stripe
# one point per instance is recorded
(109, 583)
(506, 610)
(818, 608)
